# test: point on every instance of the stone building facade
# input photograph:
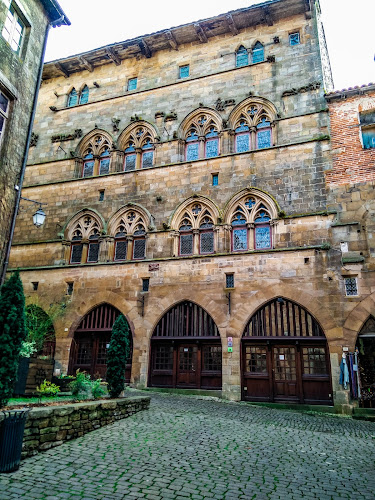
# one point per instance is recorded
(185, 179)
(24, 26)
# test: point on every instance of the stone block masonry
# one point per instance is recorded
(50, 426)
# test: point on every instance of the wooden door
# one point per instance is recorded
(187, 366)
(257, 369)
(285, 385)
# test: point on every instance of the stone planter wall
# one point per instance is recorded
(51, 426)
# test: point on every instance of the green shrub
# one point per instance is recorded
(47, 389)
(117, 355)
(12, 333)
(97, 388)
(80, 387)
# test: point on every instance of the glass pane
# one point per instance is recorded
(212, 358)
(184, 71)
(147, 159)
(314, 361)
(104, 167)
(130, 162)
(264, 139)
(262, 216)
(368, 137)
(84, 352)
(239, 239)
(242, 143)
(256, 359)
(192, 152)
(76, 255)
(139, 249)
(207, 242)
(132, 84)
(3, 103)
(242, 57)
(263, 237)
(212, 148)
(102, 352)
(121, 250)
(1, 123)
(285, 363)
(351, 286)
(215, 180)
(258, 53)
(186, 244)
(294, 39)
(73, 98)
(88, 169)
(163, 358)
(84, 95)
(93, 252)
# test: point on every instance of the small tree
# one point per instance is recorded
(12, 333)
(117, 355)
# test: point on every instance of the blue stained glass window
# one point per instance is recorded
(215, 179)
(184, 71)
(147, 159)
(242, 143)
(242, 57)
(262, 216)
(264, 139)
(212, 148)
(192, 151)
(84, 97)
(258, 53)
(104, 166)
(130, 162)
(238, 220)
(242, 128)
(192, 135)
(263, 237)
(294, 39)
(132, 83)
(212, 132)
(73, 98)
(239, 239)
(88, 169)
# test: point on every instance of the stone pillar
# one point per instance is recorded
(195, 241)
(106, 248)
(65, 252)
(129, 249)
(118, 158)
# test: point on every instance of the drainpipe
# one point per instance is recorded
(26, 152)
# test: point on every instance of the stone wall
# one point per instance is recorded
(51, 426)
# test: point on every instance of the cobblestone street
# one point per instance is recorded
(185, 447)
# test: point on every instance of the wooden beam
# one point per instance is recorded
(231, 24)
(200, 32)
(112, 55)
(145, 49)
(86, 64)
(171, 39)
(267, 16)
(62, 70)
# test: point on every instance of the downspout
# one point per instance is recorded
(24, 162)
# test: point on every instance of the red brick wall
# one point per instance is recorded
(351, 163)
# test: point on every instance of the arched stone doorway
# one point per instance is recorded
(366, 353)
(91, 340)
(186, 350)
(285, 356)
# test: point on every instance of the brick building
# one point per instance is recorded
(184, 173)
(24, 26)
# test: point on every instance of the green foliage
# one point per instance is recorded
(80, 387)
(47, 389)
(27, 349)
(97, 388)
(39, 326)
(12, 333)
(117, 355)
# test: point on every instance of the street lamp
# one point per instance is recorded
(39, 216)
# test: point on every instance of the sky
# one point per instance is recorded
(349, 27)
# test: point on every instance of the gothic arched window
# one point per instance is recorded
(84, 96)
(96, 155)
(253, 127)
(202, 137)
(242, 57)
(139, 147)
(130, 236)
(84, 237)
(75, 97)
(72, 98)
(258, 53)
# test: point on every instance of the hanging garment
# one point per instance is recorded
(344, 374)
(352, 376)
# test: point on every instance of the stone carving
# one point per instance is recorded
(115, 122)
(170, 116)
(34, 139)
(221, 105)
(276, 39)
(135, 118)
(271, 59)
(67, 137)
(153, 267)
(159, 114)
(301, 90)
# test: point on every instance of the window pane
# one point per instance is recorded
(73, 98)
(130, 162)
(264, 139)
(84, 352)
(132, 83)
(121, 250)
(239, 239)
(163, 358)
(139, 249)
(368, 137)
(256, 359)
(1, 124)
(351, 286)
(215, 179)
(212, 148)
(258, 53)
(207, 242)
(263, 237)
(184, 71)
(212, 358)
(186, 244)
(3, 103)
(76, 254)
(93, 252)
(192, 152)
(147, 159)
(242, 143)
(84, 95)
(88, 169)
(294, 39)
(242, 57)
(104, 167)
(314, 361)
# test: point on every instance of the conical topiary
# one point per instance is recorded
(12, 333)
(117, 355)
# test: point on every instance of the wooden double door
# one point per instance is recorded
(286, 372)
(186, 365)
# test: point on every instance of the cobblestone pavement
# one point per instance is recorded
(185, 447)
